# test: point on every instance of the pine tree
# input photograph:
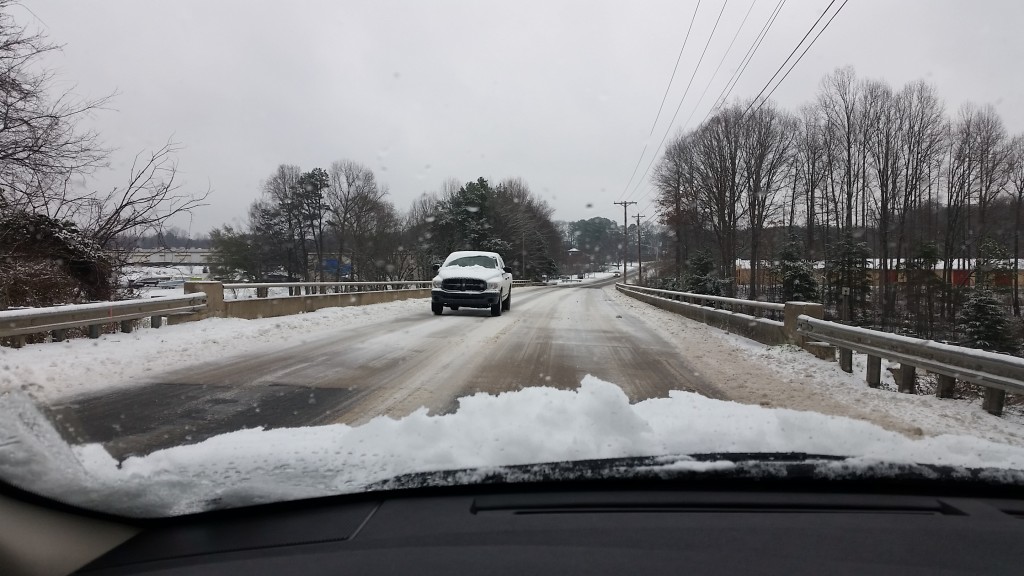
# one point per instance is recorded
(700, 277)
(846, 266)
(798, 282)
(985, 325)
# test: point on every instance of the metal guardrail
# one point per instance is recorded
(59, 318)
(733, 303)
(985, 368)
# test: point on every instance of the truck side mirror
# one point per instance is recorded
(436, 267)
(507, 269)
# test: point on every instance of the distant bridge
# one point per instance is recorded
(169, 257)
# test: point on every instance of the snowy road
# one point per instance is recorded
(553, 336)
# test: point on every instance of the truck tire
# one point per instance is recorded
(436, 308)
(496, 309)
(506, 304)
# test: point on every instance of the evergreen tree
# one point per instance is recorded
(993, 261)
(846, 266)
(798, 282)
(700, 278)
(985, 325)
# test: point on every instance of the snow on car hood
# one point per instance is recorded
(474, 271)
(532, 425)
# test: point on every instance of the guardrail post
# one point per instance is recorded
(792, 312)
(846, 360)
(214, 296)
(993, 401)
(262, 292)
(127, 325)
(156, 321)
(946, 386)
(908, 378)
(94, 331)
(874, 372)
(60, 335)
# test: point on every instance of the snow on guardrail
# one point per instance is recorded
(19, 323)
(988, 369)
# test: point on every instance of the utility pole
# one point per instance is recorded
(639, 262)
(524, 255)
(625, 235)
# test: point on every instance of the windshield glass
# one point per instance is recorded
(482, 261)
(735, 230)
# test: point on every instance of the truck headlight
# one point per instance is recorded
(437, 282)
(494, 284)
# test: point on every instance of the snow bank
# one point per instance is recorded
(788, 377)
(50, 371)
(532, 425)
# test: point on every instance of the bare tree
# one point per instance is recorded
(767, 158)
(718, 190)
(810, 167)
(42, 142)
(673, 178)
(1016, 175)
(149, 199)
(992, 153)
(352, 197)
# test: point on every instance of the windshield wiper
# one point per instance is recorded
(736, 470)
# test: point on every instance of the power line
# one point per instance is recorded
(836, 13)
(663, 98)
(720, 62)
(638, 161)
(676, 67)
(735, 78)
(740, 69)
(681, 100)
(710, 81)
(786, 61)
(781, 80)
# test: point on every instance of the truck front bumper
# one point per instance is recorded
(465, 299)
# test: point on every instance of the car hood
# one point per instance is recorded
(475, 272)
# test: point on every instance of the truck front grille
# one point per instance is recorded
(463, 284)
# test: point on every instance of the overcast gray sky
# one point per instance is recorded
(562, 94)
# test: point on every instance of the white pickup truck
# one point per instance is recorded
(472, 279)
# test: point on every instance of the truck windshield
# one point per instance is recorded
(485, 261)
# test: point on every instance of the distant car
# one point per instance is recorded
(472, 279)
(149, 281)
(616, 275)
(170, 284)
(579, 276)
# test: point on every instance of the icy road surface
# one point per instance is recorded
(553, 336)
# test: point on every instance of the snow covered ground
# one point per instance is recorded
(133, 273)
(589, 278)
(50, 371)
(804, 382)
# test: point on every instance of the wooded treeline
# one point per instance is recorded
(339, 224)
(887, 188)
